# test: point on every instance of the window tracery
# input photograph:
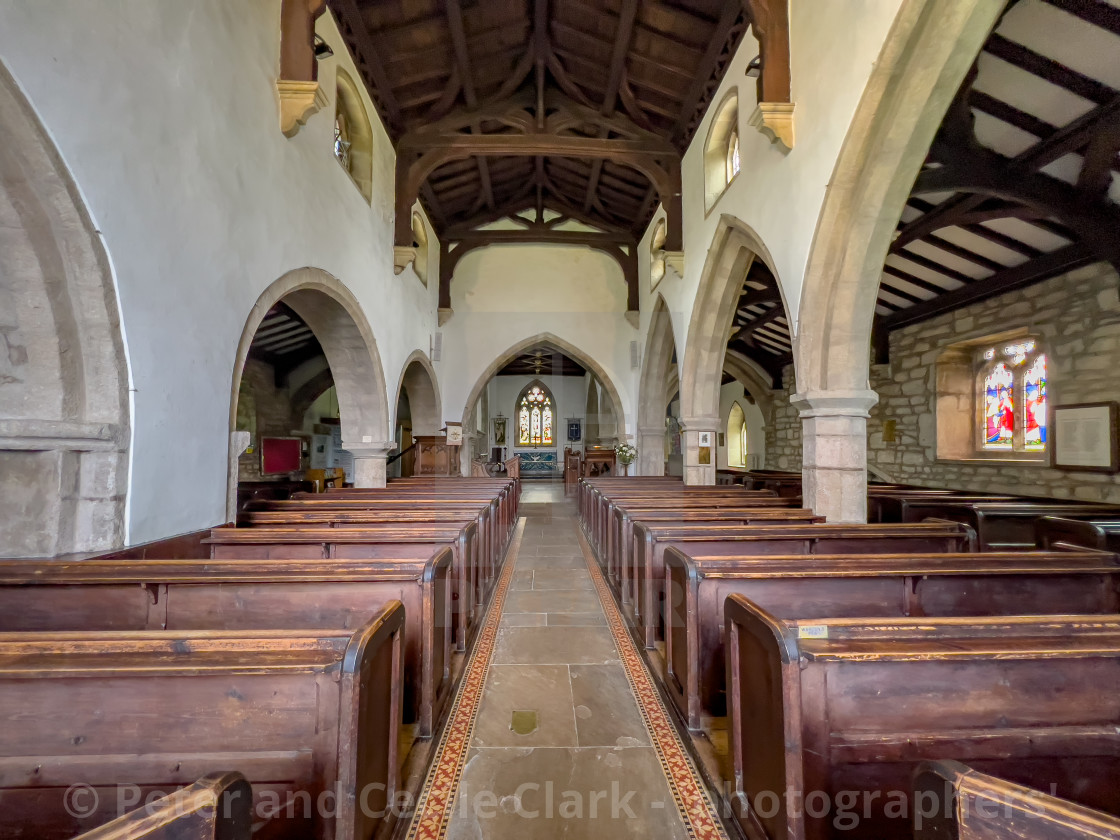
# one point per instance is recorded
(535, 416)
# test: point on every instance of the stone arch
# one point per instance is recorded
(568, 349)
(734, 247)
(927, 53)
(724, 127)
(336, 318)
(658, 370)
(64, 406)
(418, 378)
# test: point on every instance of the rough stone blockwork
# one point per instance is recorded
(1077, 317)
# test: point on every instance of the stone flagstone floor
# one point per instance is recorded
(558, 746)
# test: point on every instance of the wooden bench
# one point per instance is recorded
(951, 800)
(704, 538)
(1090, 533)
(216, 807)
(473, 574)
(297, 712)
(845, 585)
(190, 595)
(1002, 526)
(361, 542)
(828, 705)
(622, 513)
(895, 507)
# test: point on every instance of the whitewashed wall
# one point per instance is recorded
(166, 114)
(778, 194)
(505, 295)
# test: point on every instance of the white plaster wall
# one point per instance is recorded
(569, 394)
(729, 394)
(166, 114)
(506, 294)
(778, 194)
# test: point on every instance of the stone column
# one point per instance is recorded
(371, 462)
(834, 452)
(693, 427)
(651, 451)
(238, 443)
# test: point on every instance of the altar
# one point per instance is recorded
(538, 463)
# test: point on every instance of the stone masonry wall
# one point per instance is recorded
(1077, 318)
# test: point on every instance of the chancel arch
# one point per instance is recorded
(335, 320)
(64, 407)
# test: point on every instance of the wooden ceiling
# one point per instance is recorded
(1021, 183)
(760, 328)
(543, 360)
(284, 341)
(566, 118)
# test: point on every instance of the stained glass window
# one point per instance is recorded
(1012, 393)
(1034, 404)
(999, 408)
(534, 416)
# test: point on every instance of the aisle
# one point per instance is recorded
(547, 738)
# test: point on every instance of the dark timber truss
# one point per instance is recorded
(522, 109)
(1010, 195)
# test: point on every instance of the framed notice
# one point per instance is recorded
(454, 434)
(1085, 437)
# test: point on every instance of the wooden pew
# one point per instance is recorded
(191, 595)
(626, 569)
(360, 542)
(951, 800)
(844, 585)
(1002, 526)
(828, 705)
(297, 712)
(586, 488)
(1090, 533)
(216, 807)
(653, 538)
(894, 507)
(473, 574)
(622, 513)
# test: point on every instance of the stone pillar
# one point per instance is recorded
(696, 472)
(651, 451)
(371, 467)
(238, 443)
(834, 452)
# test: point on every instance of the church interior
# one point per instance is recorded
(677, 419)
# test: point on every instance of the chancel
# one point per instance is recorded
(556, 418)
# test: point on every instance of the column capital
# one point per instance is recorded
(700, 423)
(376, 449)
(839, 403)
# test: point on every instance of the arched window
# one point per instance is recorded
(353, 135)
(534, 416)
(736, 437)
(733, 155)
(656, 255)
(420, 243)
(721, 151)
(1011, 395)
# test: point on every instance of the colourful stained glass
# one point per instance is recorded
(1034, 400)
(534, 417)
(546, 426)
(999, 408)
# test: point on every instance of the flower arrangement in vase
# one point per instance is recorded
(625, 454)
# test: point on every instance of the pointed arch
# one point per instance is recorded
(736, 436)
(657, 384)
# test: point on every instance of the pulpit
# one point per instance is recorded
(435, 457)
(598, 462)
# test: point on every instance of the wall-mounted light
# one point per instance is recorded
(322, 49)
(754, 68)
